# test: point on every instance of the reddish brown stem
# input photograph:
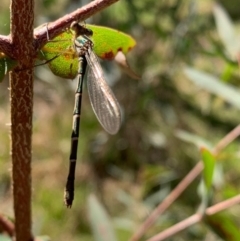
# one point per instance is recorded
(54, 28)
(6, 226)
(21, 98)
(59, 26)
(182, 186)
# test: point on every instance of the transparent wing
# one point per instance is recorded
(103, 101)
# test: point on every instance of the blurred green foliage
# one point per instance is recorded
(134, 170)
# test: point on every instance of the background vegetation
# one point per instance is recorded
(166, 116)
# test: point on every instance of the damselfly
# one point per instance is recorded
(103, 101)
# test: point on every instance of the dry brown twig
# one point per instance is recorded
(177, 191)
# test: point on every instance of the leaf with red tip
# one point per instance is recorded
(61, 55)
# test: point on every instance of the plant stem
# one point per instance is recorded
(6, 226)
(21, 97)
(195, 218)
(81, 14)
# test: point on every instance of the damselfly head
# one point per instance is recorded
(81, 29)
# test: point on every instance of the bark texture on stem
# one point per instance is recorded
(21, 98)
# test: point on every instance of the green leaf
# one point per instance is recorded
(61, 56)
(107, 43)
(100, 222)
(228, 72)
(212, 84)
(226, 31)
(209, 164)
(198, 141)
(224, 226)
(6, 64)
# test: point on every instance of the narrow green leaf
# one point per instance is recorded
(100, 222)
(6, 64)
(198, 141)
(214, 85)
(226, 30)
(107, 43)
(209, 164)
(224, 226)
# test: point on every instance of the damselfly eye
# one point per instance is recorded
(80, 29)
